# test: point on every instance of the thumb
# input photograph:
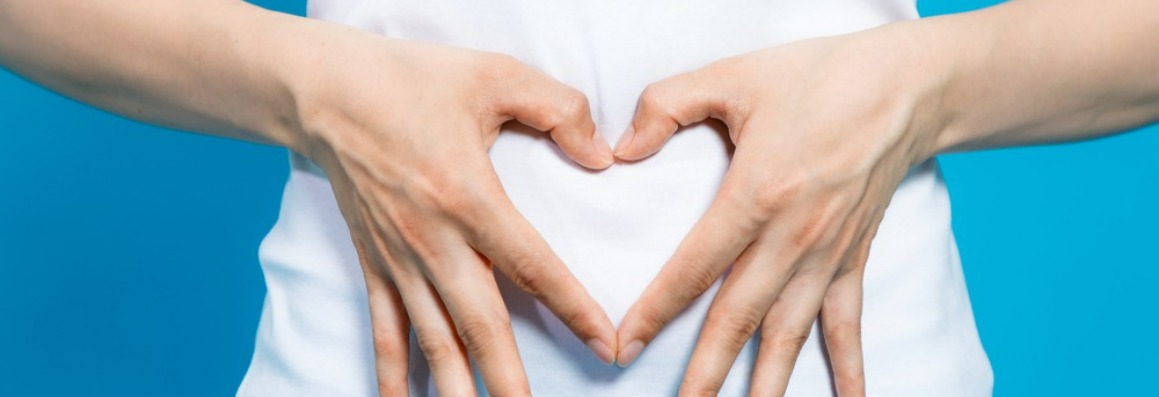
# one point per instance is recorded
(547, 105)
(667, 105)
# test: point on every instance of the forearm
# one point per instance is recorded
(209, 65)
(1041, 71)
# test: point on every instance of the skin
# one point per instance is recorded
(401, 129)
(825, 130)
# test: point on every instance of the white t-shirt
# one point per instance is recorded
(615, 228)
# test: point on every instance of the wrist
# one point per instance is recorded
(957, 49)
(324, 70)
(913, 68)
(278, 51)
(937, 58)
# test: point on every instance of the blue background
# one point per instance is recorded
(128, 254)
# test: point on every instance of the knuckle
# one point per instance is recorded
(737, 326)
(841, 326)
(570, 107)
(437, 348)
(776, 197)
(808, 235)
(860, 258)
(387, 343)
(453, 195)
(820, 229)
(481, 334)
(708, 391)
(410, 227)
(699, 274)
(426, 184)
(458, 203)
(856, 261)
(700, 386)
(526, 270)
(704, 390)
(791, 342)
(574, 105)
(845, 330)
(651, 99)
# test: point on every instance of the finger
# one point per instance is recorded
(784, 332)
(841, 324)
(739, 306)
(709, 248)
(667, 105)
(513, 246)
(547, 105)
(390, 327)
(841, 318)
(481, 320)
(446, 356)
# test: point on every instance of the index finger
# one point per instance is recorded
(517, 250)
(712, 245)
(513, 246)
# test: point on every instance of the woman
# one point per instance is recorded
(392, 136)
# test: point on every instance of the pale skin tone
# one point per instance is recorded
(825, 130)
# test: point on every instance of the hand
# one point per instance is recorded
(402, 130)
(825, 130)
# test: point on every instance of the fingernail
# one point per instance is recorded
(606, 157)
(625, 141)
(629, 353)
(602, 351)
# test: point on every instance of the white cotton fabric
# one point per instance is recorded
(615, 228)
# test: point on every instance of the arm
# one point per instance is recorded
(401, 129)
(826, 129)
(213, 66)
(1030, 72)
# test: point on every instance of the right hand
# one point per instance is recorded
(402, 130)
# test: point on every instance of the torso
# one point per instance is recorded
(616, 228)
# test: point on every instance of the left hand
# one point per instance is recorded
(825, 130)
